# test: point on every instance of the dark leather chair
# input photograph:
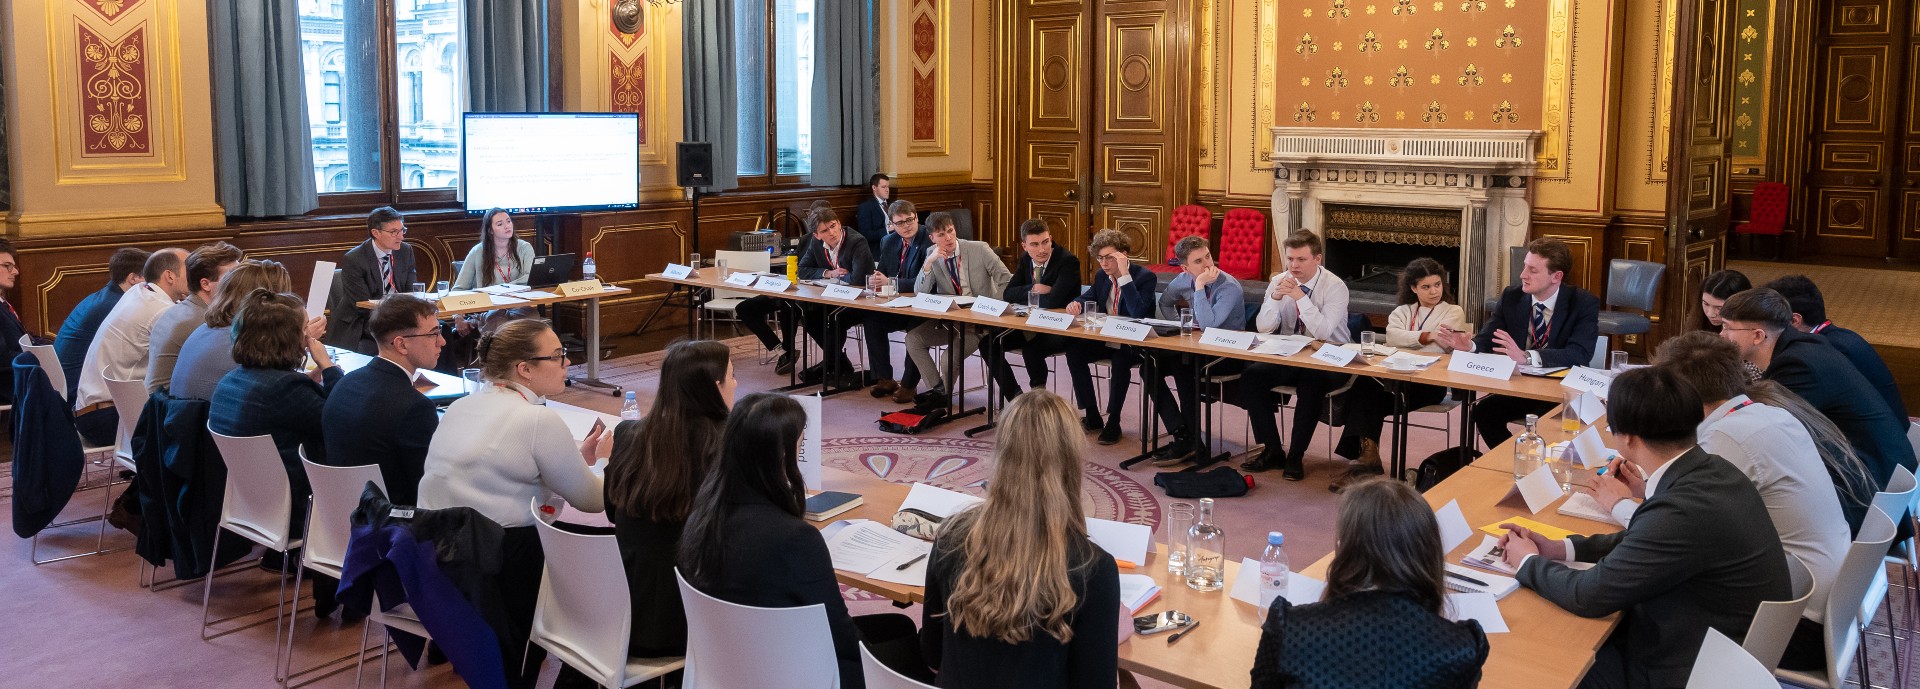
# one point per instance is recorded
(1634, 285)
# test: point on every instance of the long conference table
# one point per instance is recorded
(526, 298)
(1546, 646)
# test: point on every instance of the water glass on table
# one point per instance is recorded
(1179, 520)
(1617, 361)
(441, 288)
(1033, 300)
(1368, 340)
(419, 288)
(1187, 322)
(1562, 465)
(693, 260)
(1569, 411)
(470, 380)
(1089, 314)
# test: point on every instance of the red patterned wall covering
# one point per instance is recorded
(926, 92)
(614, 9)
(113, 93)
(629, 89)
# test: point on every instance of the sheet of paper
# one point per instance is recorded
(1592, 451)
(676, 271)
(1495, 366)
(1589, 408)
(1160, 322)
(1551, 532)
(935, 303)
(865, 547)
(320, 289)
(580, 419)
(1301, 589)
(1482, 556)
(914, 575)
(535, 294)
(1540, 489)
(1408, 359)
(841, 292)
(986, 306)
(899, 303)
(1336, 355)
(1585, 507)
(1286, 345)
(1453, 525)
(506, 301)
(1543, 371)
(772, 284)
(741, 279)
(1136, 590)
(1123, 541)
(937, 501)
(509, 288)
(1481, 607)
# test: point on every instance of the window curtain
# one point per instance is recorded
(6, 179)
(262, 140)
(506, 55)
(712, 105)
(846, 111)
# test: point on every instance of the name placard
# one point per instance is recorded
(1335, 354)
(1587, 380)
(1495, 366)
(677, 271)
(1052, 320)
(988, 306)
(1238, 340)
(1126, 330)
(460, 302)
(841, 292)
(741, 279)
(579, 287)
(772, 284)
(937, 303)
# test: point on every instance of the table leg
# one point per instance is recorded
(1397, 464)
(992, 356)
(593, 352)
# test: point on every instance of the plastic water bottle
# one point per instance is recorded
(587, 271)
(1273, 570)
(630, 409)
(1529, 450)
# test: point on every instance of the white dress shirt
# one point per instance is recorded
(1323, 314)
(121, 348)
(499, 449)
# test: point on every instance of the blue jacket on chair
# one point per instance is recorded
(47, 459)
(181, 482)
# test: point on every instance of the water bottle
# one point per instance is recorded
(586, 268)
(1529, 450)
(793, 266)
(1273, 570)
(1206, 551)
(630, 409)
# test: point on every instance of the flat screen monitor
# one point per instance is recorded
(550, 162)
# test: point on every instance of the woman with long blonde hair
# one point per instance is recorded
(1016, 594)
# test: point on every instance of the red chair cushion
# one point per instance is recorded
(1187, 221)
(1243, 241)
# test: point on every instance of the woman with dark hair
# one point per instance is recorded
(656, 469)
(1385, 590)
(499, 258)
(1425, 306)
(1714, 291)
(746, 541)
(268, 394)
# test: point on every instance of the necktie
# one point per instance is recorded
(1537, 327)
(1113, 306)
(953, 272)
(1299, 325)
(386, 273)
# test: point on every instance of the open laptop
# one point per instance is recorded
(550, 270)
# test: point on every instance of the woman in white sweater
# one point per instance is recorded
(499, 450)
(1424, 307)
(498, 258)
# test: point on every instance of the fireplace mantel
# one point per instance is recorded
(1484, 174)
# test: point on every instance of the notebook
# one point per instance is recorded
(1584, 506)
(823, 506)
(1473, 581)
(1136, 591)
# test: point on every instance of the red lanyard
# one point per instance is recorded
(1822, 326)
(1738, 407)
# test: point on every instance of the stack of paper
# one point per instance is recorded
(870, 549)
(1470, 581)
(1584, 506)
(1408, 360)
(1136, 591)
(1285, 345)
(507, 288)
(1127, 543)
(1482, 557)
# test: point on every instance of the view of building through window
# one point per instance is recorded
(775, 88)
(340, 49)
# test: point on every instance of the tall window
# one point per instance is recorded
(369, 66)
(774, 61)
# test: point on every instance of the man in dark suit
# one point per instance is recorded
(375, 415)
(1760, 323)
(834, 255)
(1120, 288)
(1672, 578)
(902, 252)
(76, 333)
(1540, 322)
(1810, 316)
(10, 326)
(1052, 276)
(870, 219)
(379, 266)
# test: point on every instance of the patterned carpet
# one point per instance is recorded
(1878, 304)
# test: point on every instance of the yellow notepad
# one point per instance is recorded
(1552, 532)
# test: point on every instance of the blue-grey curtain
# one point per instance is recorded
(712, 105)
(264, 147)
(846, 104)
(506, 55)
(6, 181)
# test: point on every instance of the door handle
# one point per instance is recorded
(1106, 196)
(1073, 194)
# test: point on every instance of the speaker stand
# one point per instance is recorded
(691, 295)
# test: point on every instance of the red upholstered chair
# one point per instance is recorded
(1243, 242)
(1188, 220)
(1769, 216)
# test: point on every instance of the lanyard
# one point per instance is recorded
(1738, 407)
(1421, 325)
(1822, 326)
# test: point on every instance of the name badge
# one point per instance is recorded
(1238, 340)
(937, 303)
(1125, 329)
(677, 271)
(841, 292)
(1587, 380)
(579, 287)
(988, 306)
(460, 302)
(1335, 354)
(741, 279)
(772, 284)
(1052, 320)
(1495, 366)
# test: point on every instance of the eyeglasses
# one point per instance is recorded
(436, 333)
(1110, 256)
(906, 222)
(402, 231)
(1733, 328)
(560, 356)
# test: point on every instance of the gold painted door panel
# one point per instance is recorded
(1143, 164)
(1052, 108)
(1856, 188)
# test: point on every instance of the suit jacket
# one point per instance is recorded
(1672, 578)
(360, 281)
(1062, 276)
(855, 255)
(1822, 376)
(1573, 329)
(1868, 363)
(181, 481)
(76, 333)
(284, 404)
(11, 329)
(1334, 645)
(375, 416)
(904, 265)
(1136, 298)
(47, 459)
(986, 275)
(870, 220)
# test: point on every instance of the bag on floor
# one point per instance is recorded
(1218, 482)
(1439, 465)
(912, 421)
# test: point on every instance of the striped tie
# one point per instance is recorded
(1537, 327)
(386, 274)
(1300, 326)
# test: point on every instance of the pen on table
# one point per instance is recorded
(1182, 633)
(1468, 579)
(909, 563)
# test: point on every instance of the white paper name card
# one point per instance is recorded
(1051, 320)
(579, 287)
(1237, 340)
(772, 284)
(1495, 366)
(810, 455)
(841, 292)
(1334, 354)
(1126, 330)
(1587, 380)
(741, 279)
(988, 306)
(676, 271)
(471, 300)
(937, 303)
(320, 289)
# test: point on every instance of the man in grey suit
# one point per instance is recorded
(959, 267)
(1700, 552)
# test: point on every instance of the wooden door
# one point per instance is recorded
(1908, 179)
(1698, 196)
(1862, 156)
(1052, 98)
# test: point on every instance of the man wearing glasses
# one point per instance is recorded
(380, 266)
(1123, 289)
(375, 415)
(902, 252)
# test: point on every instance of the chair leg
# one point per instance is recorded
(360, 657)
(206, 592)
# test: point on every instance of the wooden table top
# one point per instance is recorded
(607, 291)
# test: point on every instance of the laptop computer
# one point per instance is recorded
(550, 270)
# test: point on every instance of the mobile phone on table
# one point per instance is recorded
(598, 426)
(1161, 622)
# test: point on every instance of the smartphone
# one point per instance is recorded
(598, 426)
(1161, 622)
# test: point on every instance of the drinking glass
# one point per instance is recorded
(1089, 311)
(1617, 361)
(1033, 300)
(419, 288)
(1562, 465)
(470, 380)
(1187, 323)
(1179, 520)
(1367, 340)
(442, 287)
(693, 260)
(721, 264)
(1569, 415)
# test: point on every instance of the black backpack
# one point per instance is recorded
(1439, 465)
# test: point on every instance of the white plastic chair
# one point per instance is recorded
(584, 614)
(49, 362)
(792, 647)
(1774, 622)
(1849, 594)
(336, 494)
(257, 506)
(724, 301)
(1896, 501)
(129, 399)
(96, 458)
(879, 676)
(1723, 664)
